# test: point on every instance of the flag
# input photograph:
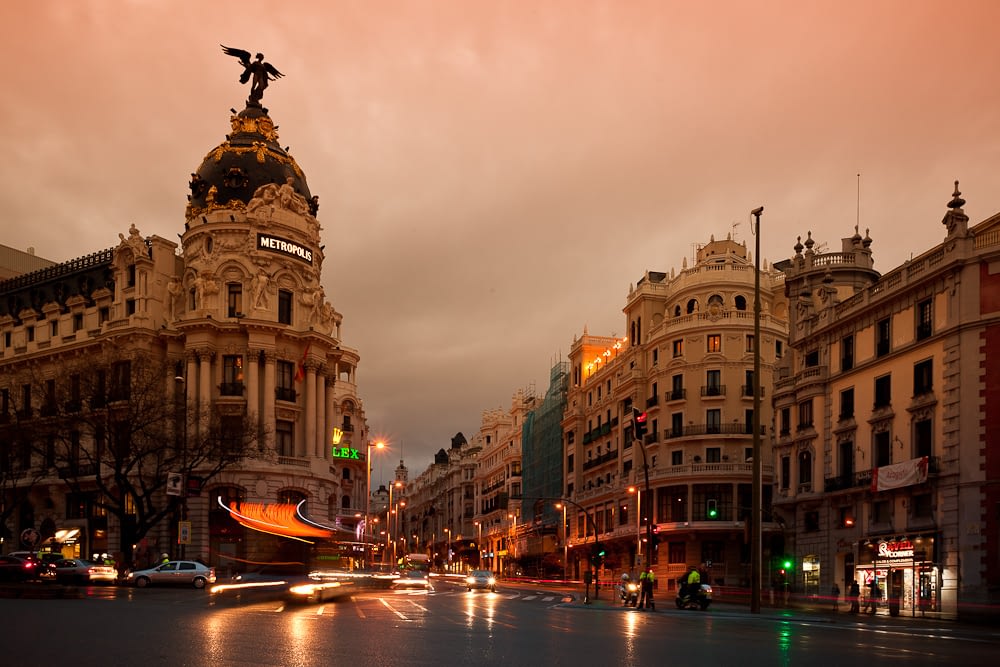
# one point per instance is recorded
(300, 372)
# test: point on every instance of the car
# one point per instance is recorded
(413, 580)
(79, 571)
(174, 572)
(481, 579)
(13, 568)
(43, 562)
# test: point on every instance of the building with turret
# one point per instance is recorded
(151, 387)
(888, 409)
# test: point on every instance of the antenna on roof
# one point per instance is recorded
(859, 202)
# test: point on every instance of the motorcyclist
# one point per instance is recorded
(625, 580)
(693, 583)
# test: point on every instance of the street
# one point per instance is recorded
(516, 626)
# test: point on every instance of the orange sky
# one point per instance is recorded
(493, 175)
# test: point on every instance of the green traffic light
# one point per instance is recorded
(787, 564)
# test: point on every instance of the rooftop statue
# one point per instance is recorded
(260, 71)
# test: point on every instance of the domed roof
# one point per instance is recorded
(249, 158)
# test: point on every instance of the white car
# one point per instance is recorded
(175, 572)
(482, 579)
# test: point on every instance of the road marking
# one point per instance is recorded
(280, 609)
(319, 612)
(548, 598)
(530, 597)
(389, 607)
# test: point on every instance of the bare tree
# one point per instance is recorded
(125, 428)
(18, 476)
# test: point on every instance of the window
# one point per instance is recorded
(130, 306)
(786, 472)
(786, 421)
(881, 512)
(924, 321)
(883, 449)
(103, 314)
(130, 276)
(922, 506)
(805, 471)
(77, 322)
(713, 383)
(883, 391)
(812, 358)
(31, 334)
(283, 440)
(748, 422)
(741, 302)
(923, 443)
(54, 328)
(883, 332)
(232, 375)
(692, 306)
(121, 381)
(845, 455)
(778, 349)
(748, 387)
(713, 455)
(678, 347)
(847, 403)
(284, 307)
(285, 390)
(569, 463)
(677, 457)
(677, 553)
(656, 355)
(234, 300)
(676, 387)
(714, 342)
(923, 377)
(676, 424)
(713, 421)
(805, 414)
(847, 353)
(750, 343)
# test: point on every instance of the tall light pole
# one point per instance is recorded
(368, 498)
(479, 544)
(638, 524)
(757, 513)
(180, 383)
(565, 536)
(388, 522)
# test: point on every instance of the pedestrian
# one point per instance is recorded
(646, 580)
(835, 594)
(873, 596)
(855, 593)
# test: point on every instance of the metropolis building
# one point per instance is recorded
(233, 322)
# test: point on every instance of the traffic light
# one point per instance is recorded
(712, 509)
(597, 553)
(639, 426)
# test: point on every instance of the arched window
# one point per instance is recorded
(715, 300)
(741, 302)
(347, 473)
(692, 306)
(677, 311)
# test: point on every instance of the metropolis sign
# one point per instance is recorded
(284, 247)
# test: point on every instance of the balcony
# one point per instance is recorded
(712, 429)
(284, 394)
(292, 461)
(747, 391)
(231, 389)
(713, 390)
(600, 460)
(77, 471)
(652, 400)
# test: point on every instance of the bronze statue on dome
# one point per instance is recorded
(260, 71)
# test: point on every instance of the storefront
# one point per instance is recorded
(900, 573)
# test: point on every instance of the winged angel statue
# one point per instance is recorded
(260, 71)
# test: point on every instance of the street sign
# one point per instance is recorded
(30, 537)
(183, 532)
(174, 480)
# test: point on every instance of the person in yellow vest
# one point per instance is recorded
(646, 581)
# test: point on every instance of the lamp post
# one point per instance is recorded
(756, 492)
(513, 545)
(368, 497)
(565, 540)
(388, 521)
(638, 524)
(447, 549)
(479, 544)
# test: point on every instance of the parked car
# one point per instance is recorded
(42, 563)
(481, 579)
(13, 568)
(79, 571)
(175, 572)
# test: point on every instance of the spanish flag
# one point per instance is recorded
(300, 372)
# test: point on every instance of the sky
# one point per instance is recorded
(493, 176)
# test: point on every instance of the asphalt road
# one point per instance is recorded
(450, 626)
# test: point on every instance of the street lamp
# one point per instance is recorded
(565, 536)
(368, 496)
(447, 548)
(513, 544)
(479, 544)
(180, 384)
(638, 524)
(388, 521)
(756, 494)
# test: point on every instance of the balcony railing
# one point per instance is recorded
(77, 471)
(713, 390)
(712, 429)
(600, 460)
(231, 389)
(747, 390)
(677, 395)
(284, 394)
(652, 400)
(292, 461)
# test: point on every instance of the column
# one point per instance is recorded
(309, 420)
(253, 386)
(323, 438)
(270, 360)
(331, 417)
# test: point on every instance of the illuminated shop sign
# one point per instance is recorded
(284, 247)
(896, 550)
(345, 453)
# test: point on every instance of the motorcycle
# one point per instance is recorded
(629, 593)
(701, 598)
